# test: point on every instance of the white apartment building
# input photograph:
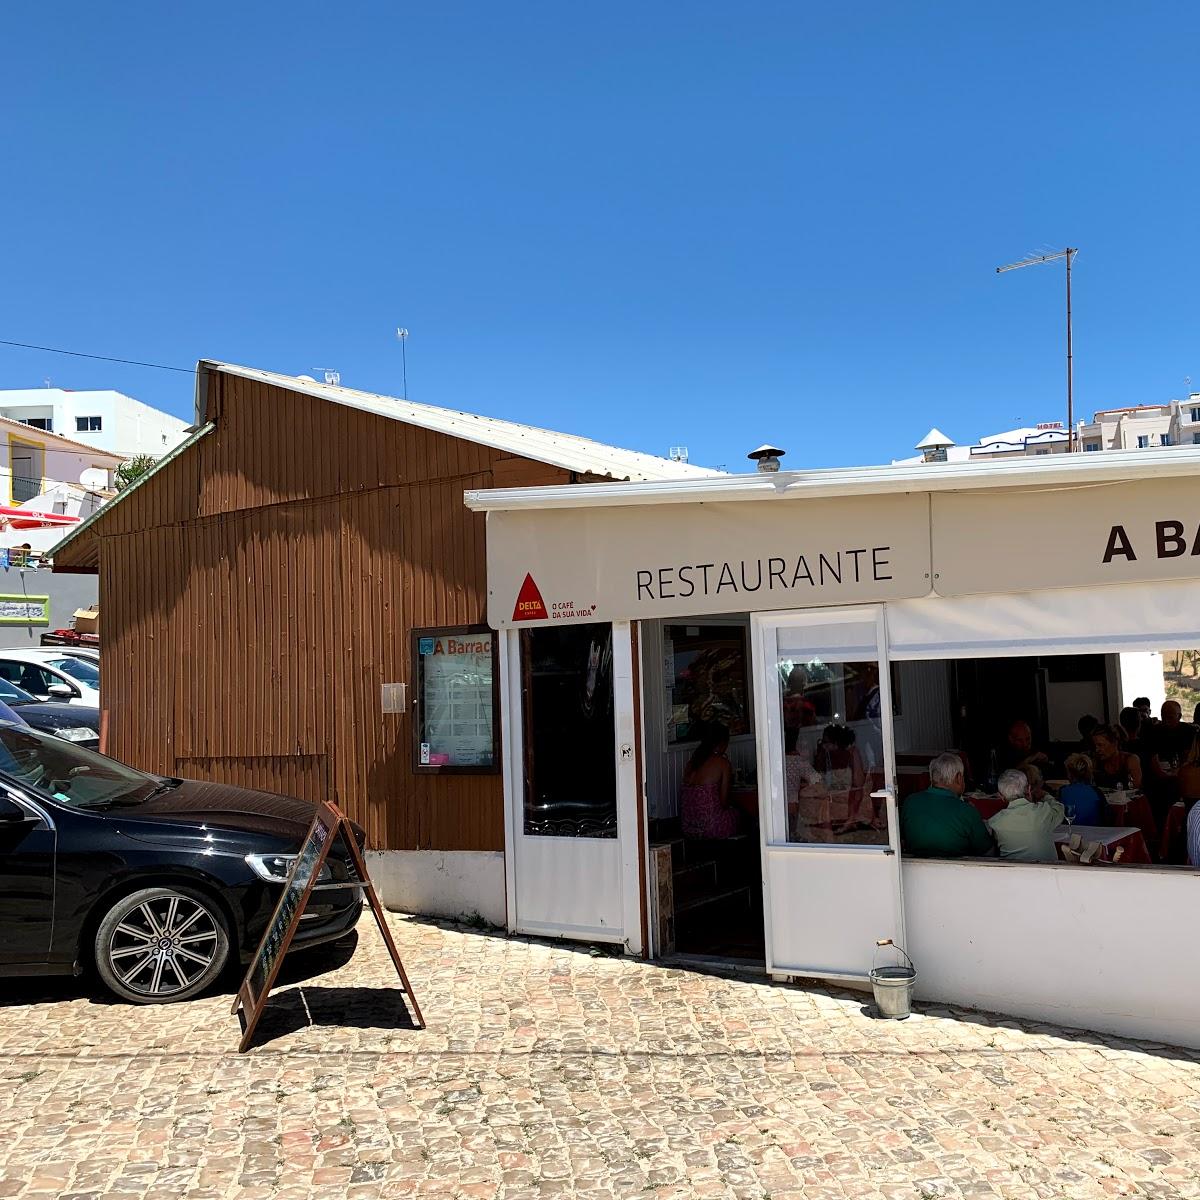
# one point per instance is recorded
(1144, 426)
(108, 420)
(1138, 427)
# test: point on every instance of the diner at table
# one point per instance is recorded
(1054, 798)
(1081, 800)
(935, 823)
(1024, 827)
(1114, 767)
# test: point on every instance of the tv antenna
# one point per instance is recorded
(402, 338)
(331, 376)
(1035, 260)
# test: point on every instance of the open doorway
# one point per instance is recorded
(702, 789)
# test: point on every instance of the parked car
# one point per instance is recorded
(155, 883)
(33, 673)
(90, 654)
(73, 722)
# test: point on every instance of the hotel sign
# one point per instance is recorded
(625, 563)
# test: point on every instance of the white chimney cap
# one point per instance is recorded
(935, 439)
(766, 452)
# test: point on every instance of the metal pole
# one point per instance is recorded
(1070, 370)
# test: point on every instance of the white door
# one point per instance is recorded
(830, 836)
(570, 787)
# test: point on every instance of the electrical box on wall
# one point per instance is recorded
(395, 697)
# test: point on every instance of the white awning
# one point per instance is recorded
(1091, 620)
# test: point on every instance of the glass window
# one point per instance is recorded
(1196, 414)
(30, 676)
(832, 720)
(570, 735)
(707, 679)
(70, 774)
(78, 668)
(454, 723)
(45, 423)
(1196, 439)
(1091, 445)
(1165, 439)
(87, 424)
(1143, 441)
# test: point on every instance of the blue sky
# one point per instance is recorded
(651, 224)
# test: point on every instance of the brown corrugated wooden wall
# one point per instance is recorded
(257, 591)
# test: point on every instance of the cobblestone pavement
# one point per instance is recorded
(547, 1071)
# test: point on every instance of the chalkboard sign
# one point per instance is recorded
(328, 825)
(304, 872)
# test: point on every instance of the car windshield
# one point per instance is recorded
(11, 694)
(80, 778)
(78, 668)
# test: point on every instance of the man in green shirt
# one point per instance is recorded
(938, 822)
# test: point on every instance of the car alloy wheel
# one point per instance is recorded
(161, 944)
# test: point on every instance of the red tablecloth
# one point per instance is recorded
(1173, 847)
(987, 806)
(746, 798)
(1135, 811)
(910, 780)
(1110, 837)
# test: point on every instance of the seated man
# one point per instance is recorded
(938, 823)
(1018, 750)
(1024, 829)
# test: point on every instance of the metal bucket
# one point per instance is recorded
(893, 986)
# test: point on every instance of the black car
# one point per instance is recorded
(78, 723)
(156, 883)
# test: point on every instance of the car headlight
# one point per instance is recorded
(77, 733)
(275, 868)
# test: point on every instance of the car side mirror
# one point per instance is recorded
(62, 691)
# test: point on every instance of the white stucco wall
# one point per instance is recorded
(1103, 948)
(441, 883)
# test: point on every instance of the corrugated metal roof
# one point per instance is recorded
(564, 450)
(1053, 471)
(163, 462)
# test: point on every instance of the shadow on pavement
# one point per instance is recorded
(306, 1006)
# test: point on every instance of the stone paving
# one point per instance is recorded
(548, 1071)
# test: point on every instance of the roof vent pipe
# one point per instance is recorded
(767, 458)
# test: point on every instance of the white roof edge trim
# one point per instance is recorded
(203, 431)
(1062, 470)
(567, 451)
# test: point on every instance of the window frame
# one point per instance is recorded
(418, 701)
(690, 744)
(84, 424)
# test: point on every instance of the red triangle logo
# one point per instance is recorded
(530, 605)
